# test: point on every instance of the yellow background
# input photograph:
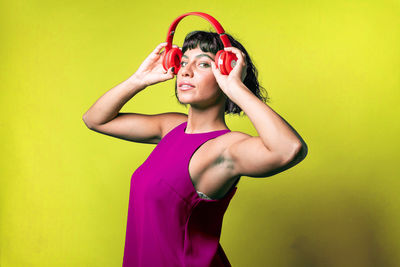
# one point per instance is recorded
(331, 69)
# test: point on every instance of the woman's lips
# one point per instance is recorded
(185, 87)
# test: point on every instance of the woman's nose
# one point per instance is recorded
(186, 71)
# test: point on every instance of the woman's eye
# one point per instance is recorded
(182, 63)
(205, 64)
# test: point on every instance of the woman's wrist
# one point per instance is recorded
(136, 82)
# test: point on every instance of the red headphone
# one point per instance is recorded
(224, 60)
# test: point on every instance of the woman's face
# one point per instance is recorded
(195, 70)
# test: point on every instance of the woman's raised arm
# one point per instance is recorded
(104, 117)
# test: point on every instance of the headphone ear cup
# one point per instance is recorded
(173, 59)
(219, 61)
(164, 62)
(230, 61)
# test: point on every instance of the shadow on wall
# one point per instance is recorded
(345, 232)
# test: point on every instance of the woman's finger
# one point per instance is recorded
(241, 63)
(158, 48)
(235, 51)
(169, 74)
(215, 70)
(239, 54)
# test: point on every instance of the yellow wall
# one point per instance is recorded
(331, 69)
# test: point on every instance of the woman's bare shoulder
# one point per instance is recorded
(236, 135)
(171, 120)
(229, 138)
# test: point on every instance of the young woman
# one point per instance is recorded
(179, 195)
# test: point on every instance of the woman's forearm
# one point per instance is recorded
(109, 104)
(275, 133)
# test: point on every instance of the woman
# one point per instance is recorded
(180, 193)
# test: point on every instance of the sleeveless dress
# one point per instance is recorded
(169, 224)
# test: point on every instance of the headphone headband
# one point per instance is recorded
(213, 21)
(224, 60)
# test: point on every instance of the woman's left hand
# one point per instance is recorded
(237, 74)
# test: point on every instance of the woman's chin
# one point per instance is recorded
(185, 99)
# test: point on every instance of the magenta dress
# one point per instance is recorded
(168, 223)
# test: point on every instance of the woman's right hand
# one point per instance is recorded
(151, 71)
